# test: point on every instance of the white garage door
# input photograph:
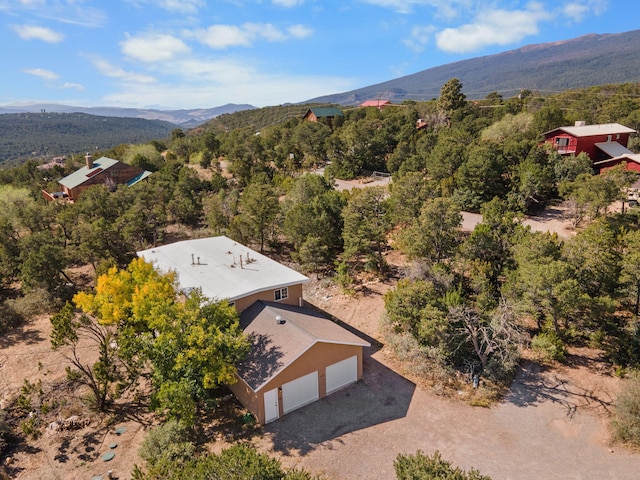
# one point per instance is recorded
(299, 392)
(342, 373)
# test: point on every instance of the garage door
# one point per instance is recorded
(342, 373)
(300, 392)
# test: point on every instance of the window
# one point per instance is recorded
(281, 294)
(609, 138)
(562, 141)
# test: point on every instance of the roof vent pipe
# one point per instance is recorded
(280, 320)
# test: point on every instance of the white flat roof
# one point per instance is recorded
(213, 265)
(590, 130)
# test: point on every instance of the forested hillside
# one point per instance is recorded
(44, 135)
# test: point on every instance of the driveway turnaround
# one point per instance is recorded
(547, 427)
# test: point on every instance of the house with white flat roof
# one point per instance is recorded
(225, 269)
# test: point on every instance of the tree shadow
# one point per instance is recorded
(89, 447)
(263, 361)
(533, 386)
(20, 334)
(380, 396)
(13, 470)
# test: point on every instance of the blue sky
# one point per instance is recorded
(198, 53)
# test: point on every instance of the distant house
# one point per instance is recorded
(379, 104)
(322, 113)
(104, 171)
(297, 355)
(605, 144)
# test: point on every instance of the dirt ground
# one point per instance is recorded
(552, 424)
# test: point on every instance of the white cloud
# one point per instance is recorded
(443, 8)
(287, 3)
(220, 37)
(244, 85)
(300, 31)
(113, 71)
(70, 12)
(419, 38)
(75, 86)
(33, 32)
(153, 47)
(177, 6)
(578, 11)
(493, 27)
(42, 73)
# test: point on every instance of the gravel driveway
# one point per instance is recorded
(546, 428)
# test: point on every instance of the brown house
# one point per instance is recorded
(104, 171)
(297, 357)
(327, 114)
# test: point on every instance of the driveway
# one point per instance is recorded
(546, 428)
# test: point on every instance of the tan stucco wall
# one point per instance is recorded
(295, 294)
(318, 357)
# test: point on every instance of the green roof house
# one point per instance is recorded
(322, 113)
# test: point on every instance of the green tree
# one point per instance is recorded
(408, 194)
(366, 225)
(259, 208)
(42, 262)
(69, 329)
(451, 96)
(419, 466)
(630, 267)
(435, 234)
(626, 420)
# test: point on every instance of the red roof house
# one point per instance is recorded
(379, 104)
(605, 144)
(585, 138)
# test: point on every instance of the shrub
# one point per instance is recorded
(167, 446)
(626, 420)
(424, 467)
(549, 345)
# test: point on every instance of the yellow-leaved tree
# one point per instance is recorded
(187, 344)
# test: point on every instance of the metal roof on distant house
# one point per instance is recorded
(139, 178)
(613, 149)
(221, 268)
(591, 130)
(279, 334)
(322, 112)
(83, 174)
(375, 103)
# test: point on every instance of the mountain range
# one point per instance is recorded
(590, 60)
(186, 118)
(548, 67)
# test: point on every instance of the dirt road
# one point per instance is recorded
(552, 424)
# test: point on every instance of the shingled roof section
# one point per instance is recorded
(83, 174)
(280, 334)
